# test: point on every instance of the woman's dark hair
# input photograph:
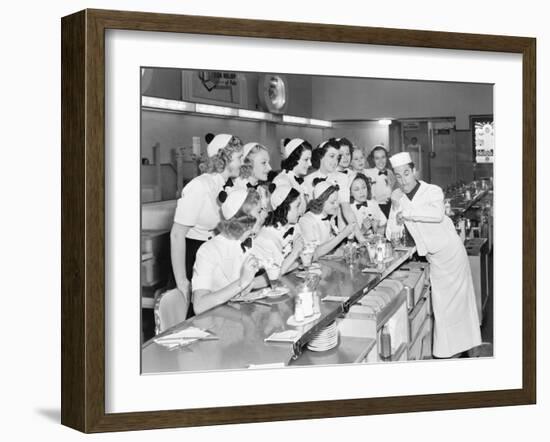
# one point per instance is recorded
(345, 142)
(318, 153)
(316, 205)
(361, 176)
(290, 163)
(242, 221)
(278, 217)
(370, 157)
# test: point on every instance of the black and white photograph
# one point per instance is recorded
(303, 220)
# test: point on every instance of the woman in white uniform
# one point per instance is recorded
(325, 160)
(358, 161)
(319, 223)
(345, 155)
(382, 178)
(254, 170)
(369, 216)
(279, 240)
(225, 266)
(419, 206)
(198, 212)
(295, 166)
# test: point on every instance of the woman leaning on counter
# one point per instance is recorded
(280, 240)
(225, 266)
(419, 206)
(198, 212)
(364, 206)
(319, 223)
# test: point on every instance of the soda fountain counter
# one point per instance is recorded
(371, 307)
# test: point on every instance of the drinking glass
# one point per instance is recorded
(375, 225)
(349, 253)
(371, 249)
(273, 272)
(397, 238)
(306, 255)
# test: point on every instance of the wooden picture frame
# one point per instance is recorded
(83, 219)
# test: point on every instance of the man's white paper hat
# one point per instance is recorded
(400, 159)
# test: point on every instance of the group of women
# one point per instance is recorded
(238, 217)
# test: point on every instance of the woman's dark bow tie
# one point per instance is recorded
(288, 232)
(383, 172)
(246, 244)
(359, 205)
(318, 180)
(299, 180)
(258, 184)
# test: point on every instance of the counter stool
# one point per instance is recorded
(170, 309)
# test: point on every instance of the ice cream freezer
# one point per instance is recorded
(381, 326)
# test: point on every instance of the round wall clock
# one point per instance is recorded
(273, 92)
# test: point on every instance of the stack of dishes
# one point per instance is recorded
(325, 339)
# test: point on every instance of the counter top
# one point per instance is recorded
(242, 328)
(459, 205)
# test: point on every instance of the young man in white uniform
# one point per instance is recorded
(419, 206)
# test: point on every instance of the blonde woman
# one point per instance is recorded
(198, 212)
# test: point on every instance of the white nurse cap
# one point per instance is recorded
(321, 187)
(292, 145)
(377, 146)
(234, 202)
(218, 143)
(248, 147)
(400, 159)
(322, 144)
(279, 195)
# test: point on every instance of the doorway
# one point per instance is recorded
(432, 145)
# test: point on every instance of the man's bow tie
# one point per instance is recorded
(318, 180)
(359, 205)
(288, 232)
